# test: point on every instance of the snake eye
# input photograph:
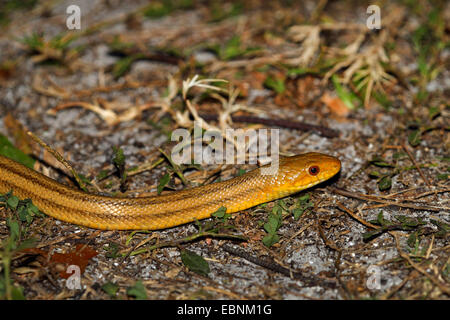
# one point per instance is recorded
(313, 170)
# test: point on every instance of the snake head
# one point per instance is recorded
(303, 171)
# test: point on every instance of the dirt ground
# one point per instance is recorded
(375, 98)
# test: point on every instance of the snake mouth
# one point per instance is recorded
(325, 177)
(334, 167)
(329, 168)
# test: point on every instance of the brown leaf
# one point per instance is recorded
(16, 129)
(336, 105)
(80, 257)
(61, 261)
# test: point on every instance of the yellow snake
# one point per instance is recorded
(158, 212)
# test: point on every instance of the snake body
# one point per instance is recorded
(158, 212)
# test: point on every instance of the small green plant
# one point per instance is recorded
(272, 225)
(8, 6)
(111, 289)
(443, 228)
(414, 137)
(20, 215)
(165, 179)
(217, 228)
(194, 262)
(348, 98)
(118, 161)
(403, 223)
(222, 214)
(123, 65)
(303, 204)
(161, 8)
(428, 42)
(137, 291)
(112, 250)
(222, 10)
(7, 149)
(232, 49)
(386, 170)
(384, 177)
(56, 49)
(276, 84)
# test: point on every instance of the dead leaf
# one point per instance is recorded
(172, 273)
(61, 261)
(16, 129)
(336, 105)
(80, 257)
